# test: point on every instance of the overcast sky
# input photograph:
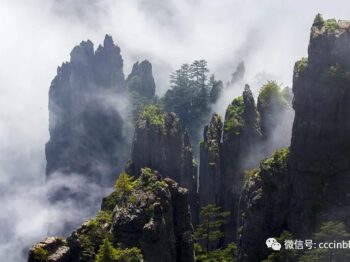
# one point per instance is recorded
(37, 35)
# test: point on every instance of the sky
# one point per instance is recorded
(36, 36)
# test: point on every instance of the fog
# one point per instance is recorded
(38, 35)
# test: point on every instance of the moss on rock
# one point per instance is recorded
(154, 115)
(278, 159)
(234, 120)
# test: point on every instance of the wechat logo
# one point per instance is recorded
(273, 244)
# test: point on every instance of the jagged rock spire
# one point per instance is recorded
(141, 79)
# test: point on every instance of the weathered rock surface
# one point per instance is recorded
(250, 133)
(141, 79)
(85, 125)
(225, 154)
(263, 206)
(210, 179)
(241, 135)
(52, 249)
(164, 235)
(141, 87)
(154, 216)
(310, 186)
(320, 149)
(160, 143)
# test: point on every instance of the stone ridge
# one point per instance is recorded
(161, 144)
(85, 125)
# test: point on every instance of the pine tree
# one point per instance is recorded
(330, 232)
(105, 253)
(209, 231)
(123, 186)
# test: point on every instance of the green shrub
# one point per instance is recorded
(234, 121)
(122, 190)
(300, 66)
(331, 25)
(289, 255)
(329, 231)
(128, 255)
(40, 253)
(270, 92)
(251, 174)
(110, 201)
(103, 217)
(227, 254)
(278, 159)
(154, 115)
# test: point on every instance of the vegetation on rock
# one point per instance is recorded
(285, 255)
(329, 232)
(234, 120)
(40, 253)
(331, 25)
(107, 253)
(154, 115)
(191, 95)
(271, 106)
(318, 21)
(227, 254)
(209, 230)
(300, 66)
(278, 159)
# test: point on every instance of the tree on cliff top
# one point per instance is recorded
(124, 185)
(191, 94)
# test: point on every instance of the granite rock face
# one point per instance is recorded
(161, 144)
(241, 135)
(85, 129)
(225, 153)
(85, 125)
(155, 217)
(210, 179)
(166, 234)
(320, 149)
(263, 206)
(309, 185)
(141, 79)
(52, 249)
(249, 133)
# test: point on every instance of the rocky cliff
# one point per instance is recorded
(241, 135)
(151, 214)
(161, 144)
(141, 79)
(297, 190)
(210, 179)
(248, 134)
(224, 155)
(85, 123)
(320, 148)
(141, 87)
(263, 206)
